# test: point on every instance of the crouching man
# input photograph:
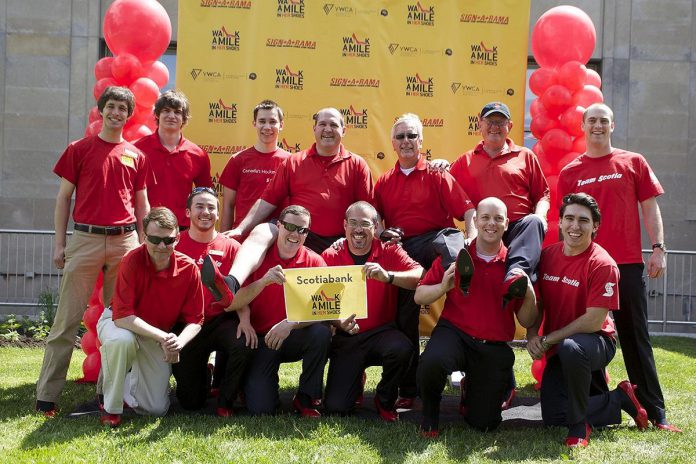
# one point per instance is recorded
(376, 341)
(156, 288)
(472, 332)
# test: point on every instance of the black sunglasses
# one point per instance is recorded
(155, 240)
(198, 190)
(290, 227)
(410, 136)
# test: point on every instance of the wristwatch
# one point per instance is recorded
(391, 277)
(660, 245)
(544, 344)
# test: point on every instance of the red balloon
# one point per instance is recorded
(587, 95)
(91, 366)
(135, 132)
(579, 144)
(88, 343)
(541, 124)
(565, 159)
(572, 75)
(103, 67)
(538, 365)
(536, 107)
(91, 316)
(564, 33)
(547, 167)
(139, 27)
(571, 120)
(145, 91)
(556, 143)
(538, 150)
(556, 99)
(151, 124)
(141, 115)
(93, 128)
(126, 68)
(592, 78)
(101, 85)
(94, 115)
(158, 72)
(542, 79)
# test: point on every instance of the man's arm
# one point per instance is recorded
(229, 198)
(542, 210)
(186, 335)
(142, 207)
(589, 322)
(426, 294)
(260, 211)
(404, 279)
(652, 218)
(60, 220)
(142, 328)
(246, 295)
(471, 231)
(528, 314)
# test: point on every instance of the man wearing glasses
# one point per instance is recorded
(157, 287)
(325, 179)
(229, 334)
(419, 203)
(279, 340)
(177, 163)
(379, 342)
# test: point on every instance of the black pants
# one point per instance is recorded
(523, 240)
(309, 344)
(487, 367)
(632, 326)
(424, 249)
(350, 354)
(191, 372)
(566, 394)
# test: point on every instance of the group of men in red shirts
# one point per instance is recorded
(189, 290)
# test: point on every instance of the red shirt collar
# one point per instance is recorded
(512, 148)
(421, 165)
(299, 258)
(500, 256)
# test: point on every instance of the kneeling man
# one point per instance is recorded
(472, 332)
(157, 287)
(379, 342)
(578, 283)
(279, 340)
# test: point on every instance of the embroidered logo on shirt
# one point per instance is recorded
(609, 289)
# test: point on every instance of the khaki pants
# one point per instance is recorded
(146, 387)
(85, 256)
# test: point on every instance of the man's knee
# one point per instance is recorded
(570, 352)
(320, 336)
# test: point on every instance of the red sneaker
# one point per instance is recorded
(304, 411)
(224, 412)
(215, 282)
(666, 427)
(112, 420)
(360, 398)
(387, 415)
(577, 442)
(404, 403)
(641, 417)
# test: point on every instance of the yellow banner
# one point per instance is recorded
(325, 293)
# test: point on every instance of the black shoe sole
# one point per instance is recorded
(517, 289)
(465, 269)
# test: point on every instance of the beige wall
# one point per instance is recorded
(48, 49)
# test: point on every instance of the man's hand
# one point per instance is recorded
(59, 256)
(245, 328)
(447, 283)
(392, 235)
(375, 271)
(278, 333)
(274, 275)
(534, 346)
(349, 325)
(439, 165)
(657, 263)
(338, 244)
(233, 233)
(171, 343)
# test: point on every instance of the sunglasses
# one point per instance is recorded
(409, 136)
(155, 240)
(198, 190)
(290, 227)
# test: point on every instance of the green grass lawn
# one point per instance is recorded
(28, 437)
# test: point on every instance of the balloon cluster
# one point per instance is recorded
(563, 40)
(90, 343)
(137, 32)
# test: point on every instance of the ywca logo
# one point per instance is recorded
(223, 40)
(416, 86)
(482, 54)
(221, 113)
(288, 79)
(338, 10)
(403, 50)
(419, 15)
(290, 9)
(609, 289)
(289, 146)
(352, 46)
(354, 119)
(473, 127)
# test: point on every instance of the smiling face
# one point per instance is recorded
(598, 124)
(268, 124)
(578, 229)
(494, 131)
(328, 131)
(289, 242)
(203, 211)
(114, 115)
(491, 222)
(360, 230)
(407, 149)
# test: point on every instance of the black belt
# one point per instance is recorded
(109, 230)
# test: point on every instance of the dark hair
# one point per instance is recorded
(163, 217)
(268, 105)
(582, 199)
(122, 94)
(297, 210)
(176, 100)
(367, 207)
(199, 191)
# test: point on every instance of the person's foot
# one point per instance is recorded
(463, 271)
(224, 412)
(221, 287)
(633, 406)
(387, 414)
(47, 408)
(665, 426)
(514, 287)
(404, 403)
(579, 442)
(361, 395)
(112, 420)
(508, 399)
(304, 411)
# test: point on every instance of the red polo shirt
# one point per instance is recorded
(326, 186)
(515, 177)
(175, 172)
(106, 176)
(423, 201)
(381, 296)
(618, 181)
(222, 251)
(268, 308)
(479, 314)
(160, 298)
(247, 173)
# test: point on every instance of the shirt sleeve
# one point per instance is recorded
(647, 184)
(456, 201)
(230, 175)
(192, 309)
(126, 289)
(435, 273)
(603, 286)
(67, 166)
(364, 188)
(399, 260)
(538, 186)
(278, 189)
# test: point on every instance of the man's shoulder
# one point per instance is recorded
(313, 259)
(601, 256)
(148, 141)
(184, 263)
(191, 147)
